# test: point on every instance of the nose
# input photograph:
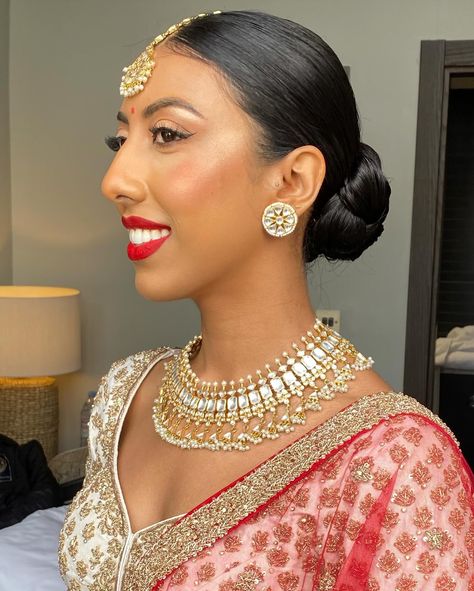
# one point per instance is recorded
(124, 182)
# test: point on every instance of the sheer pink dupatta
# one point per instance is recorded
(391, 507)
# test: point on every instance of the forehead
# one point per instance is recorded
(188, 78)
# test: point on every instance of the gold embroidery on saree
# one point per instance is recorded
(157, 553)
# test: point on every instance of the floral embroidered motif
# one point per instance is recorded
(307, 524)
(283, 532)
(463, 500)
(391, 433)
(88, 532)
(398, 453)
(353, 528)
(232, 543)
(310, 563)
(362, 469)
(366, 503)
(330, 497)
(326, 582)
(451, 477)
(339, 520)
(456, 518)
(405, 543)
(445, 583)
(426, 563)
(362, 443)
(388, 562)
(381, 478)
(413, 435)
(438, 539)
(301, 497)
(350, 492)
(440, 495)
(406, 583)
(260, 541)
(371, 540)
(435, 455)
(249, 579)
(404, 496)
(372, 585)
(331, 467)
(334, 542)
(277, 557)
(420, 474)
(288, 581)
(390, 519)
(206, 572)
(423, 517)
(461, 563)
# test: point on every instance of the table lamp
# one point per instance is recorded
(39, 338)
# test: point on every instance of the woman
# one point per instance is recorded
(238, 162)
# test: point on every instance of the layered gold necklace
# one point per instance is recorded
(191, 413)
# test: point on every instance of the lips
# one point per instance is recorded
(134, 221)
(143, 226)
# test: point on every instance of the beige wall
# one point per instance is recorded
(5, 209)
(66, 60)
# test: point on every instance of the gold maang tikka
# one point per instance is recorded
(136, 75)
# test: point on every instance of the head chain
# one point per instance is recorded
(136, 75)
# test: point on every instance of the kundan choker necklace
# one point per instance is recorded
(191, 413)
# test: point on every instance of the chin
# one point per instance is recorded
(152, 287)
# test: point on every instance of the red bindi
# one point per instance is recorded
(133, 110)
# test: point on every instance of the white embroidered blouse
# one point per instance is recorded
(96, 537)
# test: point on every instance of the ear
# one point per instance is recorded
(300, 175)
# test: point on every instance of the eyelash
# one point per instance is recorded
(115, 142)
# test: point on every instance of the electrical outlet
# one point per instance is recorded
(331, 318)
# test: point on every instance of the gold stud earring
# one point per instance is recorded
(279, 219)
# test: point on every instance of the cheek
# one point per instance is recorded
(214, 192)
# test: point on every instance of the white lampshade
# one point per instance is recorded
(39, 331)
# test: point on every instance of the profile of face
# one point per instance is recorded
(187, 159)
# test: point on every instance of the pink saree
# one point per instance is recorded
(378, 497)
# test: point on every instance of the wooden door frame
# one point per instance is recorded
(438, 61)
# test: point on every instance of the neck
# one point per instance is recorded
(243, 333)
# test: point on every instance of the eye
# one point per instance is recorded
(115, 142)
(167, 134)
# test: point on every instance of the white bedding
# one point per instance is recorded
(28, 553)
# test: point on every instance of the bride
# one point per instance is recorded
(266, 453)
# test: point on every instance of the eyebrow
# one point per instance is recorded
(161, 104)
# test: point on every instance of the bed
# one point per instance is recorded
(28, 553)
(29, 549)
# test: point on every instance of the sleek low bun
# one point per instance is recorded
(349, 221)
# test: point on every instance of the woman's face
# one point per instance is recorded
(200, 177)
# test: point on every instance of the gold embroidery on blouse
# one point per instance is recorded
(92, 536)
(155, 554)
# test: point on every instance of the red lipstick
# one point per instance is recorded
(141, 251)
(134, 221)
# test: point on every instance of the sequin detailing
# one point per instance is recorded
(383, 478)
(202, 528)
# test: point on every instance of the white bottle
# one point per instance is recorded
(85, 416)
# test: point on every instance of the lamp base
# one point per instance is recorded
(29, 410)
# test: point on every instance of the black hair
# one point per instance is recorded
(295, 88)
